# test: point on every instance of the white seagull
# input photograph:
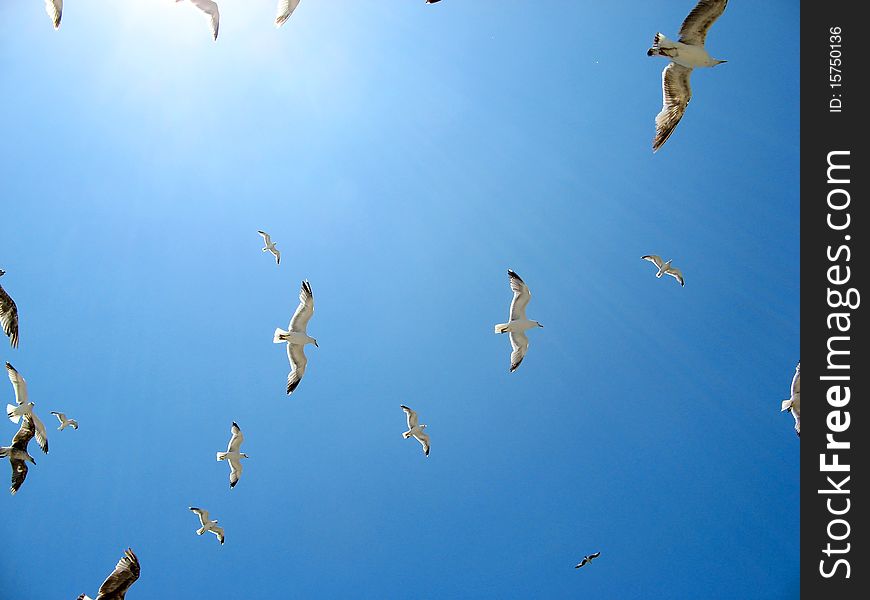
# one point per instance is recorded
(270, 247)
(17, 452)
(665, 268)
(296, 338)
(518, 323)
(54, 8)
(233, 454)
(24, 408)
(208, 524)
(64, 421)
(685, 54)
(415, 429)
(794, 403)
(8, 315)
(285, 9)
(116, 585)
(210, 9)
(587, 559)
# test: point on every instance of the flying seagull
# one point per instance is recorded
(17, 452)
(208, 525)
(116, 585)
(296, 338)
(518, 323)
(233, 455)
(54, 8)
(210, 9)
(794, 403)
(64, 421)
(270, 247)
(8, 315)
(24, 408)
(285, 9)
(665, 268)
(587, 559)
(686, 53)
(415, 429)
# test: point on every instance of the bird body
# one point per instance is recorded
(208, 524)
(270, 246)
(64, 421)
(587, 559)
(665, 268)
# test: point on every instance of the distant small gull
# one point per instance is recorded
(8, 315)
(233, 454)
(665, 268)
(794, 402)
(415, 429)
(587, 559)
(54, 8)
(285, 9)
(210, 9)
(270, 247)
(64, 421)
(296, 338)
(116, 585)
(685, 55)
(24, 407)
(207, 524)
(518, 323)
(17, 452)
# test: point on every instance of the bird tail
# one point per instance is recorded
(501, 328)
(221, 456)
(786, 404)
(279, 334)
(10, 411)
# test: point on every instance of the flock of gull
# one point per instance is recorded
(684, 54)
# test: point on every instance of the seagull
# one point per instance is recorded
(587, 559)
(54, 8)
(415, 429)
(116, 585)
(665, 268)
(207, 524)
(296, 338)
(17, 452)
(233, 456)
(24, 408)
(211, 11)
(8, 315)
(270, 247)
(794, 403)
(518, 323)
(685, 54)
(64, 421)
(285, 9)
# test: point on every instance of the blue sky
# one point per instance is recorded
(402, 156)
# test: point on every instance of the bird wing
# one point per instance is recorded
(299, 321)
(41, 435)
(413, 419)
(285, 9)
(596, 555)
(212, 13)
(520, 345)
(521, 298)
(219, 532)
(277, 254)
(203, 515)
(9, 317)
(423, 438)
(125, 574)
(796, 381)
(60, 416)
(676, 93)
(25, 433)
(18, 384)
(705, 13)
(296, 354)
(236, 439)
(235, 471)
(266, 237)
(19, 473)
(654, 259)
(54, 8)
(676, 274)
(581, 563)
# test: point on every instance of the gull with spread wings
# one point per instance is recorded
(270, 246)
(116, 585)
(296, 337)
(234, 455)
(208, 524)
(665, 268)
(17, 452)
(416, 429)
(24, 408)
(518, 323)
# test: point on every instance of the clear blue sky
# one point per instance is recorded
(402, 156)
